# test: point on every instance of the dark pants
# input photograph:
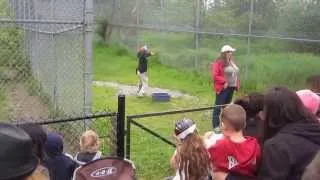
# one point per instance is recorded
(224, 97)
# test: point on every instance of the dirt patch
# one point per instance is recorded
(130, 90)
(23, 106)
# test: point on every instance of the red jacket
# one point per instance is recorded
(217, 73)
(240, 158)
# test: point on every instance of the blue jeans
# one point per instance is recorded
(224, 97)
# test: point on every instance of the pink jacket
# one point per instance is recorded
(217, 73)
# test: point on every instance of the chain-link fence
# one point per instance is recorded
(104, 124)
(188, 34)
(45, 64)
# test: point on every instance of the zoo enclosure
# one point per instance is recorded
(188, 34)
(46, 58)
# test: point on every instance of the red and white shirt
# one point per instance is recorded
(241, 158)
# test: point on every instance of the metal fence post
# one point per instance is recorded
(120, 125)
(128, 137)
(249, 40)
(88, 29)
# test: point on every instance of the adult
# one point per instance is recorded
(142, 69)
(225, 77)
(38, 137)
(291, 136)
(18, 162)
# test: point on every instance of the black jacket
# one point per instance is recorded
(286, 155)
(143, 61)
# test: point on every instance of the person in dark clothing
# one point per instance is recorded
(253, 105)
(38, 136)
(61, 165)
(291, 136)
(142, 69)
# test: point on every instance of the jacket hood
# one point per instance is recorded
(248, 151)
(83, 157)
(54, 144)
(309, 131)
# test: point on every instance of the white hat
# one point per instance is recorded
(145, 47)
(226, 48)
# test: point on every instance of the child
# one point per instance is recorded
(190, 159)
(234, 153)
(89, 148)
(61, 165)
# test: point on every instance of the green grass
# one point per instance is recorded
(151, 155)
(3, 105)
(267, 67)
(110, 65)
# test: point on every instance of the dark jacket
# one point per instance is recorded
(286, 155)
(143, 61)
(83, 158)
(60, 165)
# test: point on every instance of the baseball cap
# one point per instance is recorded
(227, 48)
(184, 127)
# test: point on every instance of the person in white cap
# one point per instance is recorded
(191, 158)
(225, 77)
(141, 71)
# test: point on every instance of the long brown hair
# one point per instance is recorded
(192, 158)
(282, 107)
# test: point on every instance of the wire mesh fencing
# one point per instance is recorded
(44, 64)
(188, 35)
(71, 129)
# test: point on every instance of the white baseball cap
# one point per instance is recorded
(145, 47)
(226, 48)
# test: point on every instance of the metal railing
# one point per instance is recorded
(132, 120)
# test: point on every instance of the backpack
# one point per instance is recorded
(110, 168)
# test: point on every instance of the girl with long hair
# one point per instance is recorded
(191, 159)
(291, 136)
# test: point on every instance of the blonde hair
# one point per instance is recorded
(89, 142)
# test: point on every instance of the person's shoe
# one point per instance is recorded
(140, 94)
